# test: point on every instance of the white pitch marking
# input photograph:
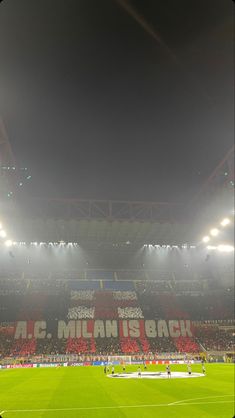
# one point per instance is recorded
(2, 412)
(198, 399)
(200, 403)
(85, 408)
(183, 403)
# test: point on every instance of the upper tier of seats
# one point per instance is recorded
(104, 299)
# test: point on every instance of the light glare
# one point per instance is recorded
(3, 234)
(225, 222)
(206, 239)
(214, 232)
(225, 248)
(9, 243)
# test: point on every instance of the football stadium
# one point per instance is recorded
(116, 307)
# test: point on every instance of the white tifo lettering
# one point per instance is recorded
(73, 329)
(40, 329)
(185, 326)
(78, 329)
(66, 330)
(150, 328)
(162, 329)
(111, 329)
(99, 329)
(21, 330)
(125, 328)
(134, 328)
(85, 332)
(107, 328)
(174, 328)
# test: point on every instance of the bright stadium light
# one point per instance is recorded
(206, 239)
(211, 247)
(9, 243)
(3, 234)
(225, 248)
(214, 232)
(225, 222)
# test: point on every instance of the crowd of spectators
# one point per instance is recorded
(22, 299)
(131, 275)
(215, 339)
(6, 344)
(211, 341)
(186, 345)
(24, 347)
(162, 345)
(82, 294)
(105, 312)
(81, 312)
(80, 346)
(130, 312)
(53, 346)
(12, 286)
(124, 295)
(129, 346)
(108, 346)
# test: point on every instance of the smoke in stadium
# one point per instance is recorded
(116, 209)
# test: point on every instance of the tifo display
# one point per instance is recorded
(43, 325)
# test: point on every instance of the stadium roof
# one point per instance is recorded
(99, 231)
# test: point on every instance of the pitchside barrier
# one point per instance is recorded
(76, 358)
(94, 363)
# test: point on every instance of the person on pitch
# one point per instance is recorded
(168, 370)
(189, 369)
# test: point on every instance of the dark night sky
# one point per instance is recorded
(96, 108)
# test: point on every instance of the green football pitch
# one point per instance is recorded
(86, 392)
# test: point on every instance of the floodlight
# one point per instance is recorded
(211, 247)
(225, 222)
(8, 243)
(206, 239)
(225, 248)
(214, 232)
(3, 234)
